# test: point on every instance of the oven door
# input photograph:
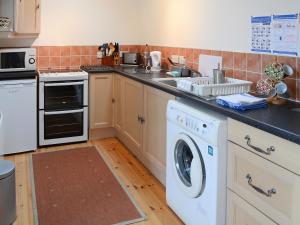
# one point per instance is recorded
(63, 126)
(63, 95)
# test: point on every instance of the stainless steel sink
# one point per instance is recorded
(172, 82)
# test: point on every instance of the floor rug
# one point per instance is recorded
(77, 187)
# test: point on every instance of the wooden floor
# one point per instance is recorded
(147, 191)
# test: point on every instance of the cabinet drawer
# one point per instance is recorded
(285, 154)
(271, 189)
(239, 212)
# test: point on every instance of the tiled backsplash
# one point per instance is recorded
(245, 66)
(62, 57)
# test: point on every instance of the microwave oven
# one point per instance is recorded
(17, 59)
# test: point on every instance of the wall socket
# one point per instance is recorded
(178, 59)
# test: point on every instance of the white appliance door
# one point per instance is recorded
(19, 117)
(188, 166)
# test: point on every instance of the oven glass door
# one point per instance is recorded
(63, 124)
(63, 95)
(12, 60)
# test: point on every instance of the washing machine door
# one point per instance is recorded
(189, 168)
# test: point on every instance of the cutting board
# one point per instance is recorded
(207, 63)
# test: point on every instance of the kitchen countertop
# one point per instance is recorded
(282, 121)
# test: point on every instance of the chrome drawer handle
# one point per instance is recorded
(267, 152)
(267, 193)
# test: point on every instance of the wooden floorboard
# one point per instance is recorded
(146, 190)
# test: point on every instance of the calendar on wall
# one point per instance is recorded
(276, 34)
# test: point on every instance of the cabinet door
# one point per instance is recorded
(154, 131)
(239, 212)
(132, 111)
(101, 107)
(117, 100)
(27, 16)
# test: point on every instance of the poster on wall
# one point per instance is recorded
(261, 34)
(285, 34)
(277, 34)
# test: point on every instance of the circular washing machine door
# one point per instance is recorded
(189, 166)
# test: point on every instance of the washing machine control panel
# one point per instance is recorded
(195, 125)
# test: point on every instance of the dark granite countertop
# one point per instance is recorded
(282, 121)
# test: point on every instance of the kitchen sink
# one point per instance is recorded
(167, 81)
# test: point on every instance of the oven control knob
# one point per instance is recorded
(31, 60)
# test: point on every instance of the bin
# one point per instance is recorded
(7, 193)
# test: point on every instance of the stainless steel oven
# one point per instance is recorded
(63, 111)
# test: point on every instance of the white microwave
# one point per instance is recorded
(17, 59)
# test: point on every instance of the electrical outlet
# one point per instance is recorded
(175, 58)
(182, 60)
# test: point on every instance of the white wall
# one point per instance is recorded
(88, 22)
(207, 24)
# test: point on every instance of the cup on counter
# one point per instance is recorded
(219, 76)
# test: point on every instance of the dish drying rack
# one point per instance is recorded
(205, 87)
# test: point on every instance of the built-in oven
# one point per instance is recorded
(63, 112)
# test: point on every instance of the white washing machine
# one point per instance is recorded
(196, 164)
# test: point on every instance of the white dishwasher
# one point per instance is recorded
(18, 109)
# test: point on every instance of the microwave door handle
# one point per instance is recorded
(64, 112)
(63, 84)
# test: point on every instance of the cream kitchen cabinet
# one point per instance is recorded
(131, 114)
(140, 122)
(242, 213)
(154, 131)
(101, 98)
(27, 17)
(118, 103)
(262, 170)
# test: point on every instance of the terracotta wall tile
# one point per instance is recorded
(205, 51)
(239, 61)
(65, 62)
(55, 51)
(182, 52)
(95, 61)
(229, 72)
(227, 59)
(85, 60)
(75, 61)
(65, 51)
(44, 51)
(254, 77)
(196, 66)
(216, 53)
(196, 53)
(291, 61)
(85, 50)
(75, 51)
(189, 55)
(240, 74)
(292, 87)
(163, 52)
(124, 47)
(54, 62)
(254, 63)
(43, 62)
